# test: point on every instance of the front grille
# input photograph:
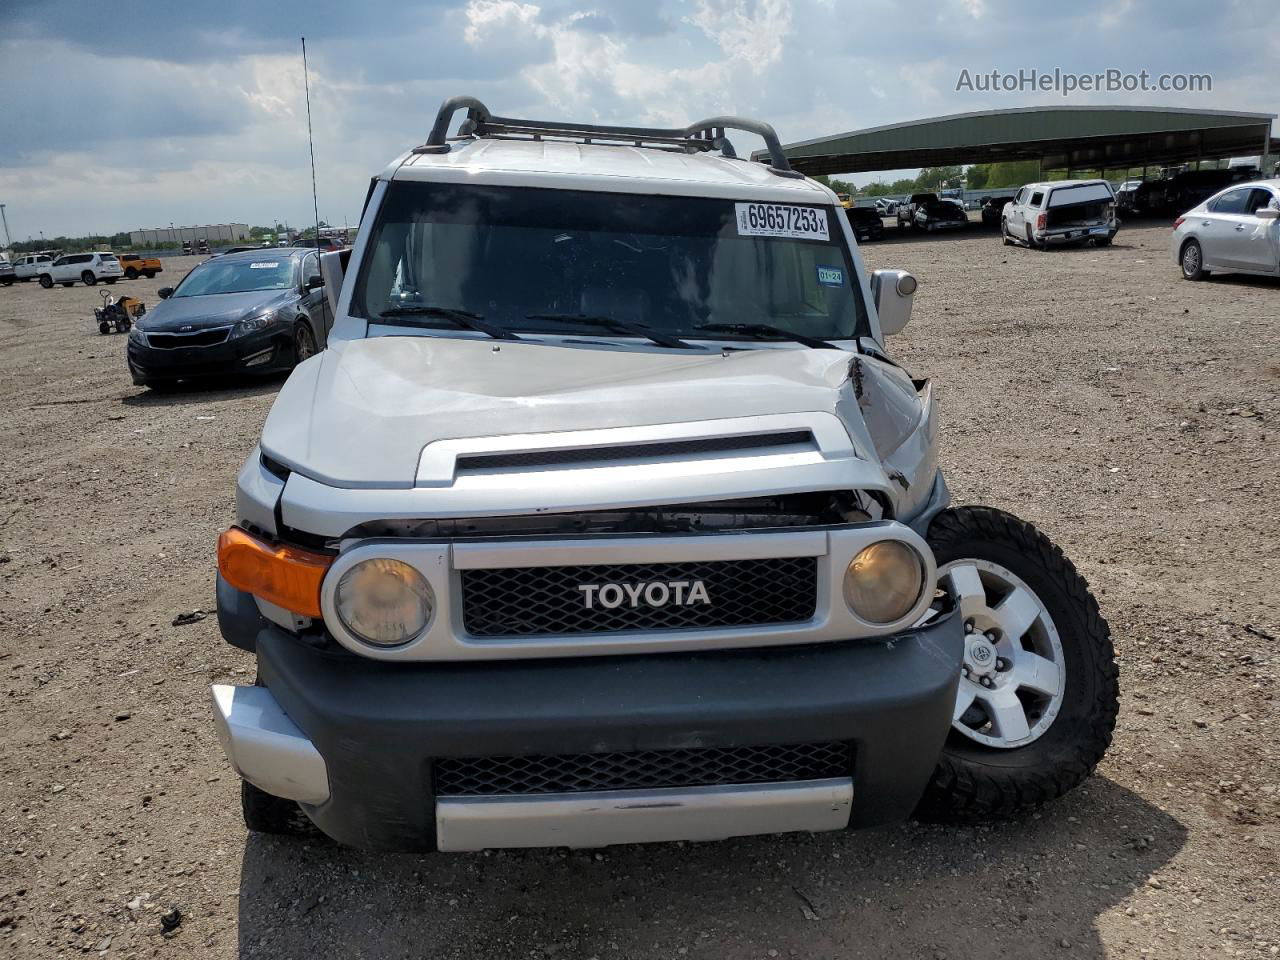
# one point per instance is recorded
(641, 770)
(634, 451)
(542, 601)
(201, 338)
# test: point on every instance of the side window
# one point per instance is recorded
(1037, 198)
(1259, 199)
(310, 267)
(1233, 202)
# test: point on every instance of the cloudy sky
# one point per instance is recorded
(141, 113)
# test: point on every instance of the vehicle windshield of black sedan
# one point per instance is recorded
(238, 276)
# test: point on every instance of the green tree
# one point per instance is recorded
(932, 179)
(978, 175)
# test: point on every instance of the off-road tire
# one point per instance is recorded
(266, 813)
(131, 274)
(150, 274)
(974, 783)
(46, 281)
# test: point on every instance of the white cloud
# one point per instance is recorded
(222, 134)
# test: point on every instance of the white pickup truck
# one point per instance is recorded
(1062, 211)
(88, 268)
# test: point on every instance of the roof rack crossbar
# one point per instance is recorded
(703, 135)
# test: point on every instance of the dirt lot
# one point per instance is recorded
(1132, 415)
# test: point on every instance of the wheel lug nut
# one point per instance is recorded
(968, 626)
(986, 681)
(1002, 664)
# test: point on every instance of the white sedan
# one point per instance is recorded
(1235, 231)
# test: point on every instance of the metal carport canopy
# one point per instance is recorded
(1086, 138)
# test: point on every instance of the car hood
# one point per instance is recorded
(360, 413)
(213, 310)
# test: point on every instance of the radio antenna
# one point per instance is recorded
(315, 200)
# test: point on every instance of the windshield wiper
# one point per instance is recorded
(621, 326)
(462, 318)
(769, 330)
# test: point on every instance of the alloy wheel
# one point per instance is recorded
(304, 343)
(1013, 676)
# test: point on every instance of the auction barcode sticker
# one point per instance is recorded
(781, 220)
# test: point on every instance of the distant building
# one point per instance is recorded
(214, 233)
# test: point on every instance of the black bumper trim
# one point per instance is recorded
(380, 725)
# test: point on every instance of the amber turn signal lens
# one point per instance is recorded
(289, 577)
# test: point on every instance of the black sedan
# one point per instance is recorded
(866, 223)
(260, 311)
(993, 210)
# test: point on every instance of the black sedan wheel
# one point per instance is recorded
(304, 342)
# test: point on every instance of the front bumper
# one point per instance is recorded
(357, 741)
(147, 363)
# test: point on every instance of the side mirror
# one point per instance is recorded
(164, 293)
(315, 281)
(1268, 213)
(893, 291)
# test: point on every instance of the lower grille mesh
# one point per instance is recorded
(646, 769)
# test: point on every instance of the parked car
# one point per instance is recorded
(30, 266)
(88, 268)
(1193, 187)
(993, 209)
(253, 312)
(1061, 211)
(135, 266)
(1235, 231)
(886, 207)
(939, 214)
(907, 211)
(560, 546)
(7, 274)
(866, 223)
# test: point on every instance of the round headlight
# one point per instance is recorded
(884, 581)
(384, 602)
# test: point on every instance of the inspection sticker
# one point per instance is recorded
(781, 220)
(263, 264)
(831, 276)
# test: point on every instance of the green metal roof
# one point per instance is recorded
(1058, 136)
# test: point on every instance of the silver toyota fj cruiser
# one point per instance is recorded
(606, 517)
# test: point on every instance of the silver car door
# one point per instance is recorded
(1256, 237)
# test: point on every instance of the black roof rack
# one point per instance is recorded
(703, 136)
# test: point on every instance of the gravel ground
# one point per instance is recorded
(1093, 392)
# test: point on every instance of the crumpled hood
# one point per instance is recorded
(360, 413)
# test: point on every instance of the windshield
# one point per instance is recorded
(238, 276)
(673, 264)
